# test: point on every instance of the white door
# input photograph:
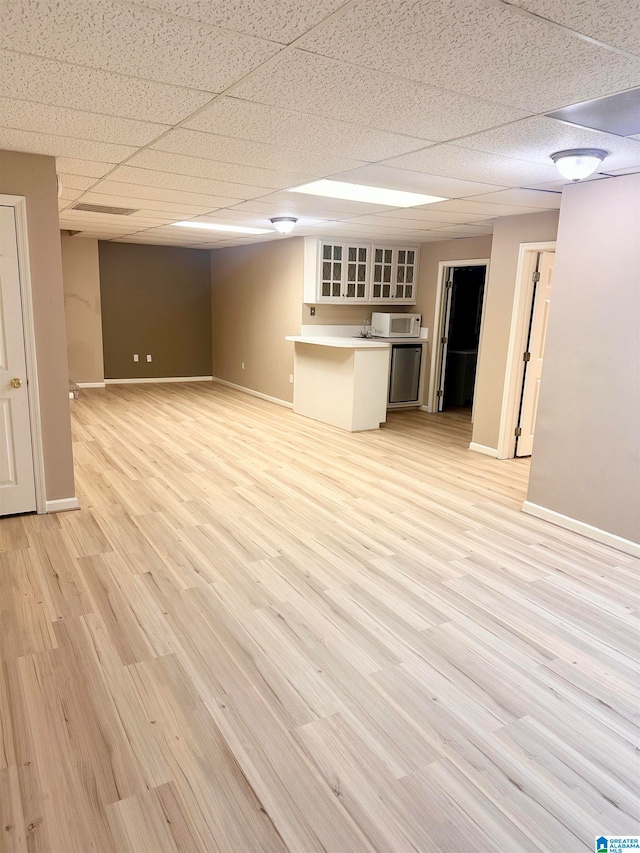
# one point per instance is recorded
(535, 354)
(17, 478)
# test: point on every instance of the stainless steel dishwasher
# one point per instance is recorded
(404, 381)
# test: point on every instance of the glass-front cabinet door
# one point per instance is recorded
(331, 271)
(405, 277)
(394, 274)
(357, 278)
(382, 273)
(344, 273)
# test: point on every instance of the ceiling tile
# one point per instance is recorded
(454, 162)
(63, 146)
(264, 123)
(76, 182)
(606, 20)
(131, 40)
(87, 168)
(42, 118)
(536, 138)
(186, 183)
(169, 198)
(465, 230)
(69, 194)
(372, 234)
(631, 171)
(163, 207)
(178, 235)
(130, 222)
(248, 153)
(485, 50)
(148, 207)
(32, 78)
(90, 233)
(480, 205)
(524, 198)
(402, 179)
(230, 172)
(429, 214)
(307, 83)
(154, 239)
(428, 220)
(277, 20)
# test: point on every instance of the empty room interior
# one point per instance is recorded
(320, 426)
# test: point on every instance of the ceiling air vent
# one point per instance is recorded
(103, 208)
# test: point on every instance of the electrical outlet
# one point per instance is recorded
(312, 311)
(148, 358)
(135, 357)
(291, 378)
(243, 365)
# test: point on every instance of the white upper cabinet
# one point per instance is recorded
(394, 274)
(356, 272)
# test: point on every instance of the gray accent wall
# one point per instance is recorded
(156, 300)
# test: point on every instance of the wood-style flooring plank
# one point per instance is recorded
(262, 633)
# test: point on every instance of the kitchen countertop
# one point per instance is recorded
(353, 342)
(345, 343)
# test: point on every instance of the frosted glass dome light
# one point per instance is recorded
(283, 224)
(578, 163)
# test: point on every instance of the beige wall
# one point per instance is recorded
(509, 232)
(34, 177)
(586, 453)
(256, 298)
(342, 315)
(81, 280)
(155, 300)
(431, 255)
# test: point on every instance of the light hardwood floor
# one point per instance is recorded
(263, 634)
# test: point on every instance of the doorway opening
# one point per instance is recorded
(457, 339)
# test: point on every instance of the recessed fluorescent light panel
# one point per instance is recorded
(361, 192)
(233, 229)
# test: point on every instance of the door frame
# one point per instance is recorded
(19, 205)
(438, 321)
(520, 316)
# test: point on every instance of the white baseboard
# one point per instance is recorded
(142, 379)
(482, 448)
(62, 504)
(253, 393)
(581, 527)
(90, 384)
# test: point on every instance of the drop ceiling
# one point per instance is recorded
(211, 109)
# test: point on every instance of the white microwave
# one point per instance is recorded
(395, 325)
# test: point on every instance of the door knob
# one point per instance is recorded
(16, 383)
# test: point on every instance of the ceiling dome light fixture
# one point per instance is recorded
(283, 224)
(578, 163)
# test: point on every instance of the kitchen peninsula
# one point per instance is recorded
(341, 381)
